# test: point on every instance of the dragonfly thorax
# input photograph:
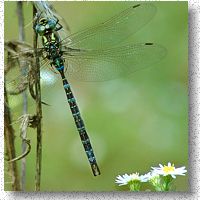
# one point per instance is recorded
(51, 43)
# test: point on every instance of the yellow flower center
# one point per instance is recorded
(168, 169)
(135, 176)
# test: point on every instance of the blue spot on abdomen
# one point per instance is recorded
(60, 68)
(66, 86)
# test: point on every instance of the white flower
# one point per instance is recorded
(169, 170)
(149, 176)
(145, 177)
(126, 179)
(122, 180)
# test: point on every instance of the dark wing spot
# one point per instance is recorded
(136, 6)
(148, 43)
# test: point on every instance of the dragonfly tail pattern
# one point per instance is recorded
(79, 124)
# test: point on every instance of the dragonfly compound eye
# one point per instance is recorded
(51, 23)
(40, 29)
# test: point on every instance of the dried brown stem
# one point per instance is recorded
(24, 94)
(9, 144)
(38, 112)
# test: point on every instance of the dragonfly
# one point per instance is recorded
(97, 54)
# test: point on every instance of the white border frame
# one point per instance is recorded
(194, 128)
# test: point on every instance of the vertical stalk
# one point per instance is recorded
(38, 111)
(9, 144)
(24, 94)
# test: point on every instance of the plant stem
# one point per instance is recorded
(38, 112)
(24, 94)
(9, 144)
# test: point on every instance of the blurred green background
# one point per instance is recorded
(148, 126)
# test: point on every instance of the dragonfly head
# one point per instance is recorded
(45, 26)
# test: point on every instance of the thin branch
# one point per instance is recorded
(38, 112)
(24, 94)
(27, 151)
(9, 144)
(20, 20)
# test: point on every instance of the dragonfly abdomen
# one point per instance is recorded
(80, 125)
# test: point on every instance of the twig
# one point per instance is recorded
(26, 121)
(27, 151)
(20, 21)
(38, 112)
(9, 144)
(24, 94)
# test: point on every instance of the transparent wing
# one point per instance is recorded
(17, 50)
(102, 65)
(114, 30)
(20, 77)
(19, 66)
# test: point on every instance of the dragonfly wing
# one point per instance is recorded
(19, 66)
(114, 30)
(102, 65)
